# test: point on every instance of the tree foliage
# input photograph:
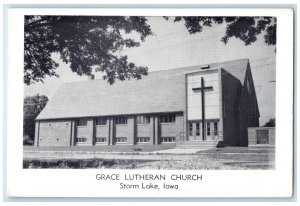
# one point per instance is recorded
(85, 42)
(270, 123)
(244, 28)
(33, 105)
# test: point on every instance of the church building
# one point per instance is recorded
(206, 103)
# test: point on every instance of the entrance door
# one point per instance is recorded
(194, 131)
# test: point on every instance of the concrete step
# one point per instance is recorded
(194, 144)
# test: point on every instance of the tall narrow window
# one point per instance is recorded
(215, 128)
(190, 129)
(198, 129)
(208, 129)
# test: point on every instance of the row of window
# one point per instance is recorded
(141, 119)
(208, 129)
(124, 139)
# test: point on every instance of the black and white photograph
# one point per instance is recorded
(149, 103)
(149, 92)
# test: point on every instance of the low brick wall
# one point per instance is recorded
(261, 136)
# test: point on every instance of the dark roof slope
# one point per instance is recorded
(160, 91)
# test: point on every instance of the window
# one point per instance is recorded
(82, 122)
(208, 129)
(198, 129)
(101, 121)
(143, 139)
(215, 128)
(120, 120)
(101, 139)
(190, 129)
(121, 139)
(167, 118)
(262, 136)
(81, 140)
(142, 119)
(168, 139)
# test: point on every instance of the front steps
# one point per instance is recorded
(193, 144)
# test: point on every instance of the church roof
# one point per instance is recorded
(160, 91)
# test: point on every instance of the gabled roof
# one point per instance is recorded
(160, 91)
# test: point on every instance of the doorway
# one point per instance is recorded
(195, 131)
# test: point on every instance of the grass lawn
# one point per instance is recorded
(105, 148)
(234, 158)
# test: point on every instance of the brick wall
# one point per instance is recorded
(172, 129)
(252, 135)
(86, 132)
(146, 130)
(54, 133)
(125, 130)
(103, 132)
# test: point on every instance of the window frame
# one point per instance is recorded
(119, 120)
(100, 120)
(100, 142)
(80, 121)
(81, 138)
(121, 142)
(143, 138)
(142, 119)
(208, 132)
(216, 128)
(168, 138)
(167, 118)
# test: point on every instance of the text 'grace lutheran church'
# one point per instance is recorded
(209, 104)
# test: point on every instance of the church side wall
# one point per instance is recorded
(67, 132)
(231, 88)
(249, 114)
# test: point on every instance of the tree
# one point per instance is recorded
(33, 105)
(86, 42)
(244, 28)
(270, 123)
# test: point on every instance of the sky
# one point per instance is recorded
(172, 46)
